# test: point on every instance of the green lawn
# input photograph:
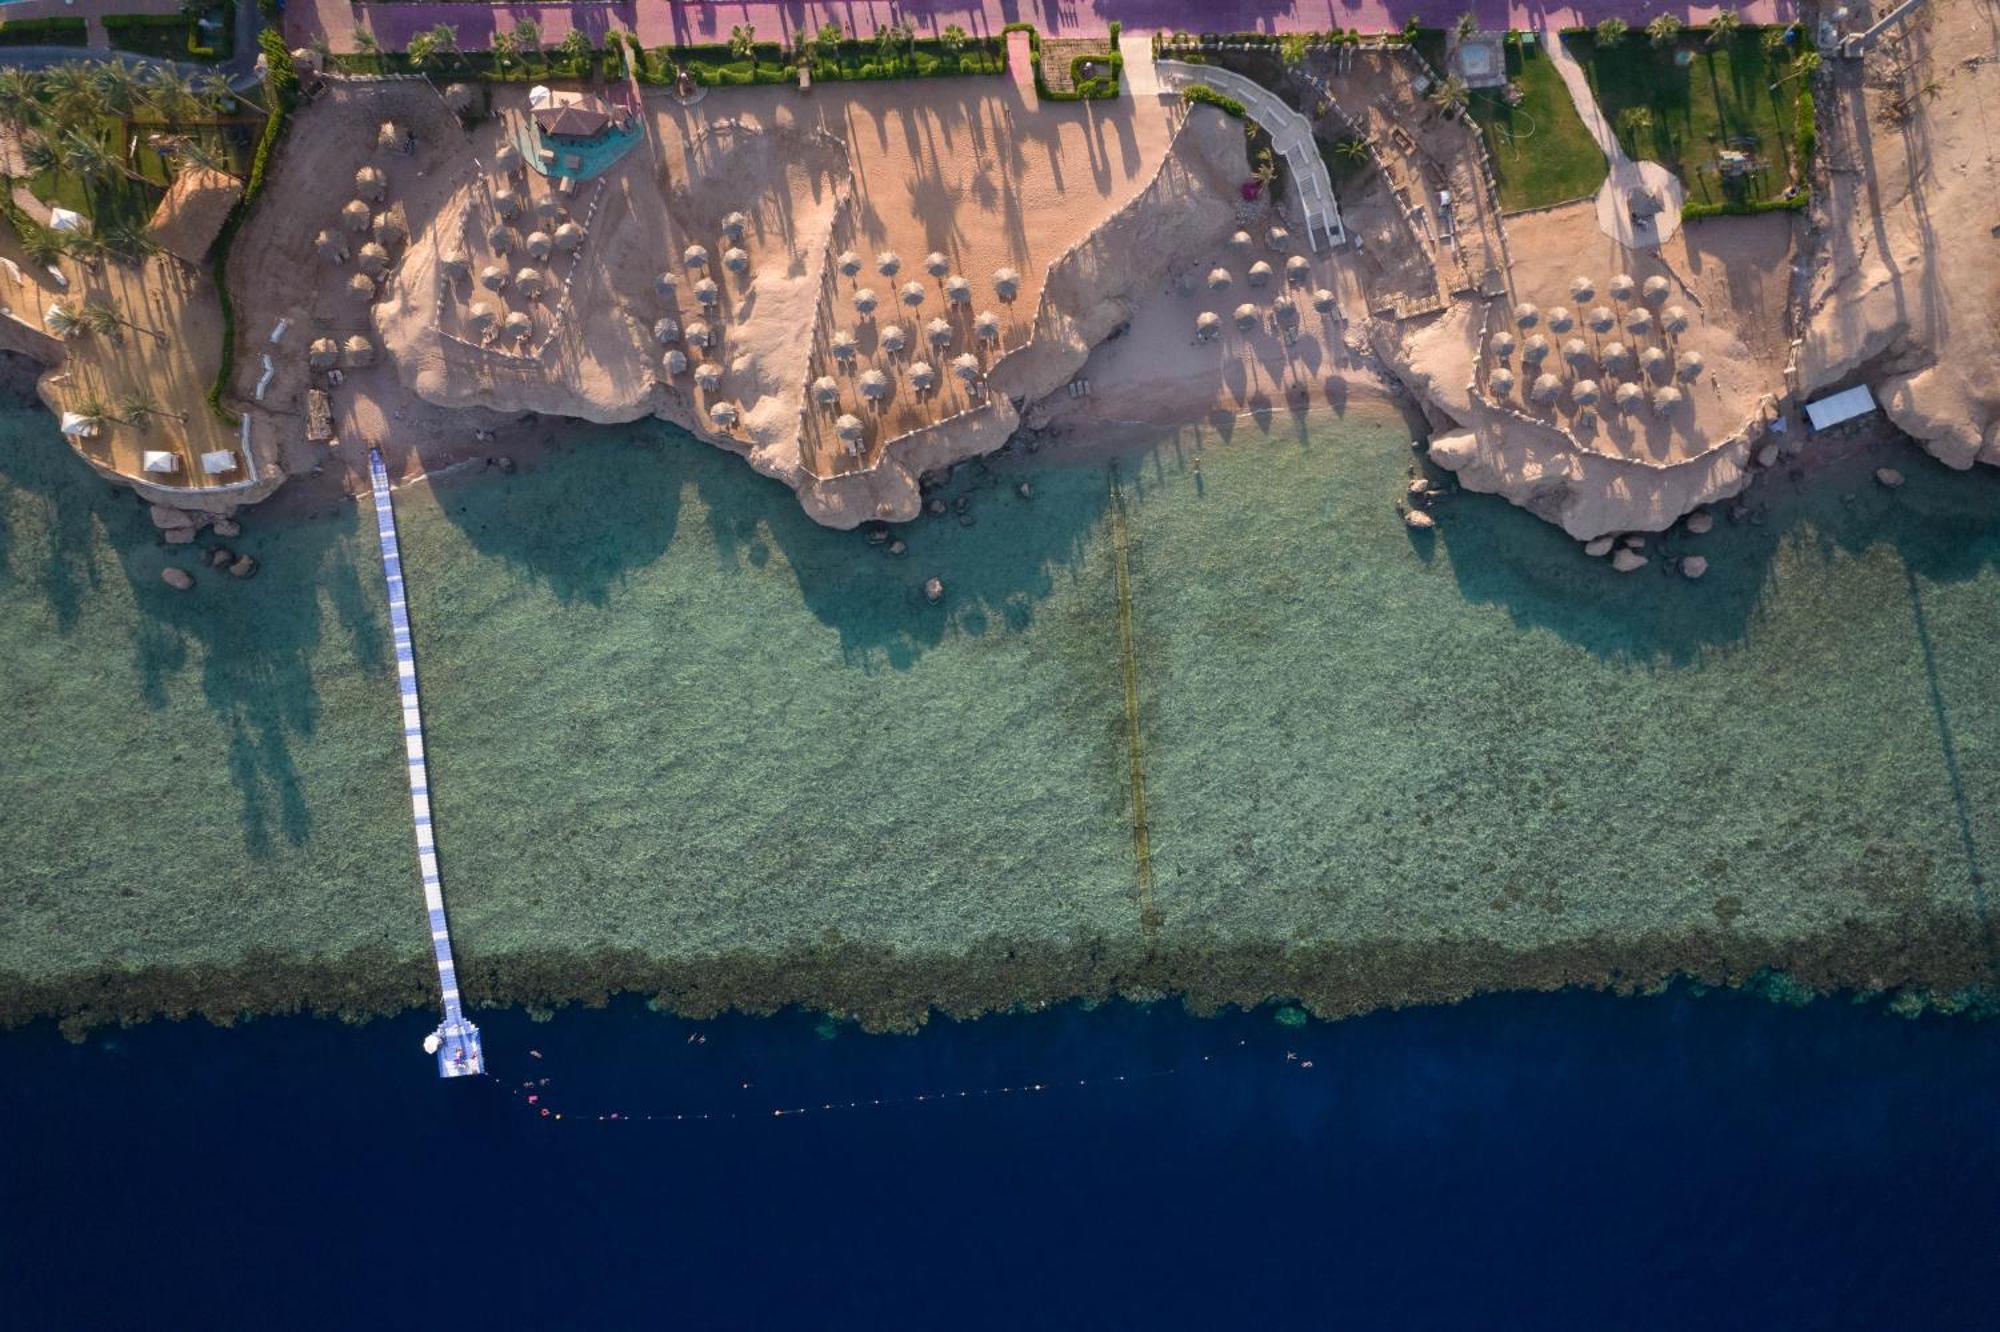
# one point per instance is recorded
(1542, 154)
(120, 201)
(175, 36)
(1721, 98)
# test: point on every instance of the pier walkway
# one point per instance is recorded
(456, 1041)
(1291, 136)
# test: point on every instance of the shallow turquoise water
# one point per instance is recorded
(669, 714)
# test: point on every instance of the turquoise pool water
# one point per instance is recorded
(672, 720)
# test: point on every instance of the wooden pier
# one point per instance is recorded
(456, 1041)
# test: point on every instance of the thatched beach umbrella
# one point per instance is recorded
(1246, 316)
(508, 159)
(1654, 362)
(699, 334)
(958, 290)
(1206, 325)
(357, 351)
(708, 376)
(923, 376)
(666, 285)
(1622, 286)
(888, 263)
(493, 277)
(1615, 356)
(539, 245)
(1629, 395)
(966, 367)
(843, 345)
(913, 294)
(500, 238)
(724, 414)
(1286, 309)
(372, 259)
(370, 183)
(1501, 344)
(1240, 241)
(529, 282)
(568, 236)
(936, 264)
(894, 338)
(874, 385)
(548, 208)
(1691, 366)
(388, 229)
(826, 390)
(675, 361)
(736, 260)
(986, 325)
(1674, 319)
(1260, 273)
(518, 326)
(666, 330)
(938, 332)
(1324, 300)
(695, 257)
(1601, 319)
(865, 300)
(733, 226)
(1218, 279)
(1297, 270)
(1501, 381)
(354, 215)
(1656, 289)
(507, 204)
(1666, 399)
(849, 429)
(454, 267)
(1584, 392)
(1535, 350)
(331, 247)
(1638, 320)
(1560, 319)
(361, 286)
(1581, 289)
(707, 292)
(481, 318)
(1546, 388)
(1527, 314)
(849, 263)
(1006, 283)
(1279, 238)
(323, 354)
(1576, 352)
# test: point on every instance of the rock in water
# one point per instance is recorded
(934, 589)
(1419, 520)
(1625, 561)
(1454, 450)
(177, 578)
(227, 527)
(1888, 477)
(1767, 456)
(220, 556)
(1025, 491)
(1701, 520)
(244, 567)
(178, 536)
(1694, 566)
(1599, 548)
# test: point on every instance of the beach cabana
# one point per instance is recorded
(936, 264)
(826, 390)
(938, 333)
(217, 462)
(540, 245)
(158, 462)
(1246, 316)
(865, 300)
(894, 338)
(1006, 283)
(923, 376)
(1206, 325)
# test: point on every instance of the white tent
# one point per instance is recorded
(222, 460)
(62, 219)
(157, 461)
(1842, 406)
(78, 425)
(539, 96)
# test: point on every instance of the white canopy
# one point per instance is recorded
(157, 461)
(222, 460)
(539, 96)
(79, 425)
(62, 219)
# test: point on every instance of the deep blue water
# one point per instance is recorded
(1528, 1161)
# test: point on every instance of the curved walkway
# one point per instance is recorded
(1291, 135)
(1614, 213)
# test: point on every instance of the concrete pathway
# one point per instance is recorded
(1291, 136)
(1141, 79)
(1021, 65)
(1614, 214)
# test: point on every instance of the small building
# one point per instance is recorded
(1842, 406)
(191, 215)
(582, 120)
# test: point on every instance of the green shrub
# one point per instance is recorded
(44, 32)
(1694, 212)
(1807, 135)
(1207, 96)
(281, 89)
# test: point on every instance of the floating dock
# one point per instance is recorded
(456, 1041)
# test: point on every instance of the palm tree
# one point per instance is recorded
(42, 245)
(1664, 30)
(116, 86)
(743, 42)
(1776, 40)
(831, 36)
(129, 242)
(170, 93)
(528, 37)
(504, 49)
(136, 406)
(1804, 67)
(1634, 121)
(953, 38)
(91, 162)
(102, 317)
(194, 152)
(63, 323)
(39, 155)
(69, 91)
(219, 94)
(1722, 29)
(1612, 31)
(91, 408)
(1468, 24)
(365, 43)
(1354, 148)
(21, 105)
(575, 48)
(1932, 89)
(1451, 96)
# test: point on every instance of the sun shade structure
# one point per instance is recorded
(500, 238)
(849, 263)
(849, 428)
(1691, 366)
(548, 208)
(966, 367)
(362, 286)
(958, 290)
(826, 390)
(481, 318)
(666, 330)
(666, 285)
(913, 294)
(1286, 309)
(331, 247)
(357, 352)
(675, 361)
(372, 259)
(874, 385)
(1240, 241)
(1575, 352)
(888, 263)
(986, 325)
(493, 277)
(735, 260)
(1629, 395)
(1324, 301)
(707, 292)
(1666, 399)
(539, 245)
(507, 204)
(923, 376)
(1501, 344)
(1006, 283)
(723, 414)
(370, 182)
(938, 332)
(1639, 320)
(584, 118)
(1207, 324)
(1246, 316)
(1535, 349)
(1279, 238)
(936, 264)
(698, 334)
(1501, 381)
(508, 159)
(1584, 392)
(1656, 289)
(1260, 273)
(1527, 314)
(733, 226)
(192, 212)
(1616, 356)
(355, 215)
(695, 256)
(1654, 361)
(568, 236)
(1581, 289)
(1218, 279)
(518, 326)
(708, 376)
(529, 282)
(894, 338)
(1546, 388)
(323, 354)
(1601, 319)
(1674, 319)
(1297, 270)
(865, 300)
(1622, 287)
(388, 229)
(1560, 319)
(843, 345)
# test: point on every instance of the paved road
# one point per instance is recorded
(667, 22)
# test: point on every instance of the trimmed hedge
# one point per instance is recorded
(281, 89)
(170, 36)
(1207, 96)
(718, 66)
(1694, 212)
(44, 32)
